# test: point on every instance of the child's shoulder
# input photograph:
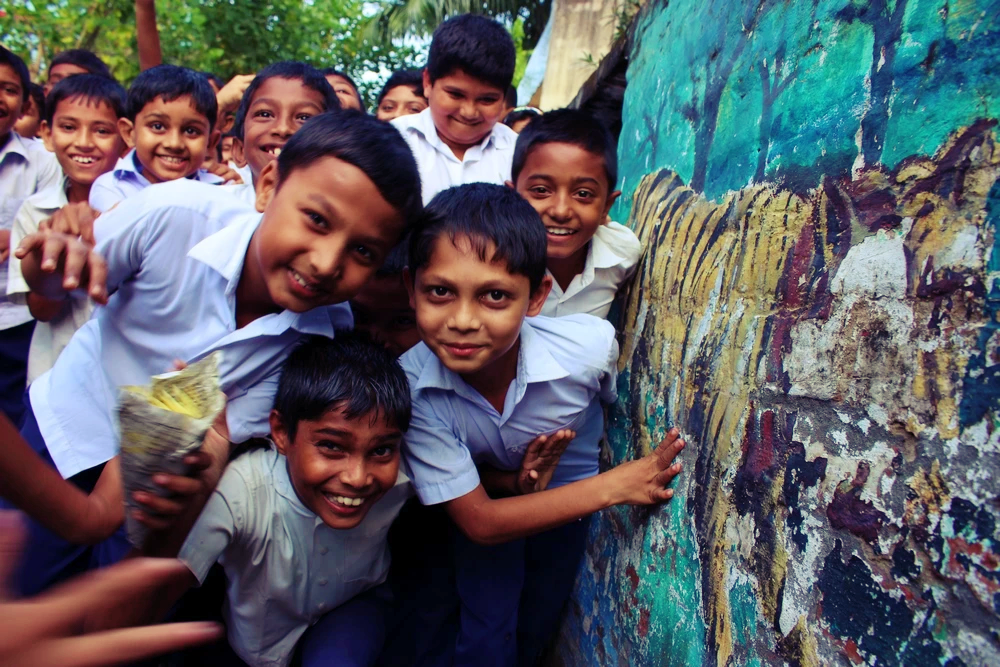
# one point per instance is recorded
(251, 475)
(575, 341)
(415, 360)
(618, 241)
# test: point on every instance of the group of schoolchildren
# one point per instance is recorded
(475, 266)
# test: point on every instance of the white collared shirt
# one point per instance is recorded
(243, 191)
(566, 366)
(612, 256)
(25, 168)
(126, 179)
(489, 162)
(175, 252)
(50, 337)
(285, 568)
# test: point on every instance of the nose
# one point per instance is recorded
(327, 258)
(85, 139)
(355, 474)
(464, 317)
(468, 110)
(559, 208)
(172, 140)
(283, 127)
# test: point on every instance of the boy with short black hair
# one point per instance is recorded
(382, 307)
(25, 168)
(319, 504)
(402, 95)
(75, 61)
(487, 379)
(277, 102)
(346, 89)
(31, 115)
(186, 279)
(80, 127)
(458, 138)
(566, 166)
(170, 127)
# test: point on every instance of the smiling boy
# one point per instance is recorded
(170, 127)
(458, 138)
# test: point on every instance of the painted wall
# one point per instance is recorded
(818, 187)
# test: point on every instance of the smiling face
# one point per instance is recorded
(325, 231)
(11, 99)
(60, 72)
(84, 136)
(464, 109)
(400, 101)
(568, 186)
(470, 311)
(170, 138)
(346, 93)
(279, 108)
(340, 467)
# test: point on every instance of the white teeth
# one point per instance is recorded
(81, 159)
(300, 280)
(350, 502)
(173, 160)
(560, 231)
(276, 152)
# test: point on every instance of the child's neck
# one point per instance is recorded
(77, 192)
(458, 150)
(564, 269)
(250, 305)
(493, 381)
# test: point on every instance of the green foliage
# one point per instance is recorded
(226, 37)
(517, 33)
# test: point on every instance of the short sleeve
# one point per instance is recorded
(124, 236)
(216, 528)
(103, 194)
(49, 171)
(24, 224)
(440, 465)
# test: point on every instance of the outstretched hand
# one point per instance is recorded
(55, 263)
(49, 629)
(540, 461)
(73, 219)
(644, 481)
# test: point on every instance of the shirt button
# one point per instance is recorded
(321, 606)
(322, 582)
(323, 550)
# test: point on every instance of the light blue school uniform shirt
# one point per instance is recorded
(175, 252)
(285, 568)
(126, 179)
(488, 162)
(565, 367)
(25, 168)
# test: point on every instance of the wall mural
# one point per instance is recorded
(818, 188)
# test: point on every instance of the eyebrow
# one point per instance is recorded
(327, 430)
(268, 100)
(576, 181)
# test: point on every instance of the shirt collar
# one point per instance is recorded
(601, 255)
(283, 487)
(53, 198)
(14, 145)
(129, 165)
(534, 364)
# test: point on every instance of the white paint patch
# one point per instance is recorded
(875, 267)
(878, 415)
(844, 417)
(864, 425)
(839, 437)
(964, 250)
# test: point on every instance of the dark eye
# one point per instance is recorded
(383, 452)
(496, 296)
(192, 131)
(156, 126)
(317, 219)
(303, 117)
(585, 194)
(365, 252)
(439, 291)
(329, 446)
(262, 114)
(538, 190)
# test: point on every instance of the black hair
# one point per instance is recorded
(510, 99)
(14, 61)
(37, 94)
(517, 115)
(350, 371)
(374, 147)
(333, 71)
(94, 89)
(395, 260)
(286, 69)
(477, 45)
(486, 214)
(171, 82)
(411, 78)
(84, 59)
(214, 79)
(568, 126)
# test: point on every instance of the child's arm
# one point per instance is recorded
(640, 482)
(537, 467)
(147, 34)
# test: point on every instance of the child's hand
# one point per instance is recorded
(541, 459)
(4, 245)
(231, 94)
(225, 172)
(644, 481)
(47, 255)
(73, 219)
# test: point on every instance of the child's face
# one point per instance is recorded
(227, 149)
(84, 136)
(348, 96)
(60, 72)
(464, 108)
(170, 138)
(279, 107)
(31, 120)
(568, 186)
(340, 467)
(382, 309)
(11, 98)
(469, 311)
(400, 101)
(325, 231)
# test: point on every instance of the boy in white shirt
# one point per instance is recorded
(170, 126)
(487, 379)
(458, 138)
(185, 281)
(25, 168)
(565, 165)
(80, 126)
(301, 529)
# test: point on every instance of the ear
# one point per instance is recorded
(46, 132)
(537, 299)
(510, 184)
(213, 141)
(238, 156)
(427, 84)
(266, 185)
(279, 434)
(127, 129)
(408, 281)
(610, 202)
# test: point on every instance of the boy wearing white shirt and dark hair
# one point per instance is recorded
(565, 165)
